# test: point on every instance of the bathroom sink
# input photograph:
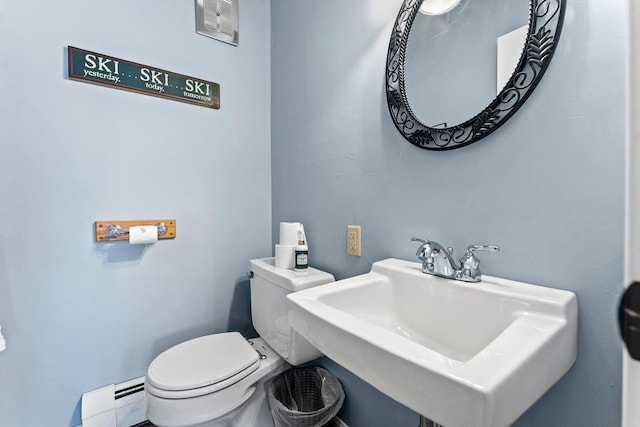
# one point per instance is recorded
(461, 354)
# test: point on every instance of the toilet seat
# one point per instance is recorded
(201, 366)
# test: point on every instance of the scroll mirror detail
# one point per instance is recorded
(421, 125)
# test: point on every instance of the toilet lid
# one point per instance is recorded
(202, 361)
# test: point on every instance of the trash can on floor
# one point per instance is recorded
(305, 397)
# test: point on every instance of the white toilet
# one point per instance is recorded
(219, 380)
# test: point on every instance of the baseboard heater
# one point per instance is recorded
(115, 405)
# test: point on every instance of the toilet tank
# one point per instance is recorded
(269, 288)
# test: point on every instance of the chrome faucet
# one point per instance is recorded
(438, 261)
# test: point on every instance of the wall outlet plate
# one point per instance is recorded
(354, 241)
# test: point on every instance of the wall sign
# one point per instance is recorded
(117, 73)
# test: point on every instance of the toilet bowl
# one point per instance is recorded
(207, 380)
(219, 380)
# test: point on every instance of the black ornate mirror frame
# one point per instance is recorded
(545, 23)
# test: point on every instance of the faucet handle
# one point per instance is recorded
(488, 248)
(469, 271)
(469, 260)
(423, 250)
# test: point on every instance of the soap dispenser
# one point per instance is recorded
(302, 253)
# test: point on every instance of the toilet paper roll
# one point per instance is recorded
(143, 234)
(289, 233)
(304, 236)
(285, 256)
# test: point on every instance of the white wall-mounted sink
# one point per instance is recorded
(461, 354)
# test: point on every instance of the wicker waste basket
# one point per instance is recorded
(305, 397)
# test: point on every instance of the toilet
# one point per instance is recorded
(220, 380)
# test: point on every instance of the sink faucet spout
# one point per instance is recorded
(435, 258)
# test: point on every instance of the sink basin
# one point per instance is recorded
(461, 354)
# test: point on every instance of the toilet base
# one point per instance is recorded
(255, 412)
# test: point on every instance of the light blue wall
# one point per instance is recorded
(78, 315)
(547, 186)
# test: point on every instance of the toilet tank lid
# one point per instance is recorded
(287, 278)
(202, 361)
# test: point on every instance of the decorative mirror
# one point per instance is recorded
(448, 59)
